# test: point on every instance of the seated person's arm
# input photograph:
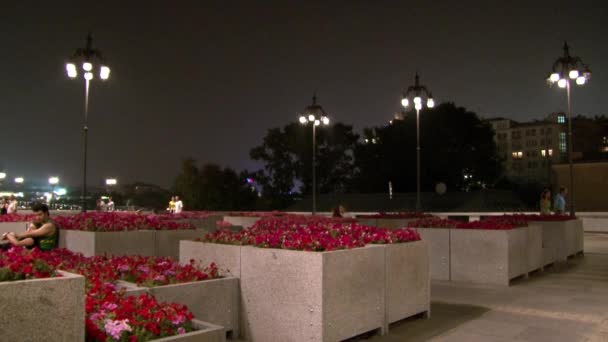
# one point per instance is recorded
(17, 242)
(46, 230)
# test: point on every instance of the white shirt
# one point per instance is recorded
(12, 207)
(179, 206)
(110, 206)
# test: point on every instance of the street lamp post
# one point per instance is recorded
(110, 182)
(53, 181)
(315, 115)
(418, 91)
(565, 69)
(91, 61)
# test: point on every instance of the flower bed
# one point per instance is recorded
(118, 221)
(16, 218)
(341, 290)
(493, 223)
(562, 235)
(110, 315)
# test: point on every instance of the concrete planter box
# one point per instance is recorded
(17, 227)
(243, 221)
(205, 332)
(408, 285)
(489, 256)
(534, 250)
(136, 242)
(167, 241)
(50, 309)
(227, 257)
(438, 240)
(368, 221)
(215, 301)
(561, 239)
(207, 224)
(596, 224)
(391, 223)
(312, 296)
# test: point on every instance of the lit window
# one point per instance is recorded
(543, 152)
(562, 142)
(550, 152)
(561, 119)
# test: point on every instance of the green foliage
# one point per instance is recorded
(454, 142)
(287, 158)
(213, 188)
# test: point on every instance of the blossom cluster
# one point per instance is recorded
(16, 218)
(190, 215)
(396, 215)
(21, 264)
(311, 233)
(110, 314)
(493, 223)
(119, 221)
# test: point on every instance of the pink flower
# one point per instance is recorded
(181, 331)
(115, 328)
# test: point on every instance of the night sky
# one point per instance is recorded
(207, 79)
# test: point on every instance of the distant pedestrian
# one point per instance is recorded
(559, 205)
(110, 205)
(171, 208)
(339, 211)
(3, 206)
(179, 205)
(545, 202)
(12, 205)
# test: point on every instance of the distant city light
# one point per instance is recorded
(2, 175)
(111, 181)
(19, 180)
(53, 180)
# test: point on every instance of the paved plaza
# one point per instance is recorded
(565, 303)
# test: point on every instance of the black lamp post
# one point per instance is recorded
(565, 69)
(91, 63)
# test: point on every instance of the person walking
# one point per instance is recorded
(559, 205)
(545, 202)
(179, 205)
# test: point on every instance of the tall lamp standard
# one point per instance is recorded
(110, 182)
(92, 62)
(315, 115)
(53, 181)
(417, 91)
(565, 69)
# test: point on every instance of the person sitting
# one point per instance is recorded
(41, 233)
(339, 211)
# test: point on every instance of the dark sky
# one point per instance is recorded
(206, 79)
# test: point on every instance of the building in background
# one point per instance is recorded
(530, 149)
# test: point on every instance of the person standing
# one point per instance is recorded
(110, 205)
(171, 207)
(179, 206)
(559, 205)
(3, 206)
(545, 202)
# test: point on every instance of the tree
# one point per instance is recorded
(146, 195)
(213, 188)
(287, 158)
(454, 143)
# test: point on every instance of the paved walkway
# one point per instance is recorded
(569, 303)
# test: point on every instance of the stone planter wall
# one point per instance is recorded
(391, 223)
(137, 242)
(17, 227)
(312, 296)
(561, 239)
(243, 221)
(438, 240)
(534, 248)
(408, 285)
(227, 257)
(215, 301)
(489, 256)
(167, 241)
(328, 296)
(50, 309)
(205, 332)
